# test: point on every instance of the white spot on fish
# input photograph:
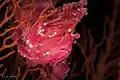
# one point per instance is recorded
(74, 14)
(29, 50)
(44, 24)
(30, 45)
(53, 34)
(40, 31)
(46, 53)
(37, 51)
(40, 44)
(27, 41)
(78, 9)
(69, 30)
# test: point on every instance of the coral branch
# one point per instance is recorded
(3, 4)
(1, 65)
(17, 77)
(9, 46)
(6, 18)
(12, 28)
(29, 70)
(7, 55)
(3, 72)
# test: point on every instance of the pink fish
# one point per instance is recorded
(50, 39)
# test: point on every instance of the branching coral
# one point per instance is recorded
(101, 59)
